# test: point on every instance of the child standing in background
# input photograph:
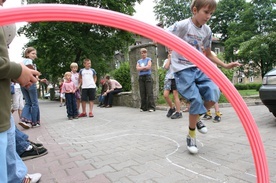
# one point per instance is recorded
(17, 100)
(61, 95)
(170, 86)
(75, 79)
(87, 80)
(143, 67)
(68, 88)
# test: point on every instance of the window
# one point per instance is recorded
(217, 50)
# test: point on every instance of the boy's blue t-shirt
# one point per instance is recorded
(142, 63)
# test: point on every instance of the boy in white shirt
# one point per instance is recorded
(87, 81)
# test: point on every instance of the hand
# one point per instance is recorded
(43, 80)
(27, 77)
(233, 64)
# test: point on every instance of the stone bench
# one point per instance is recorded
(122, 99)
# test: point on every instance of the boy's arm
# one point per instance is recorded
(138, 67)
(167, 62)
(80, 80)
(217, 61)
(148, 66)
(95, 78)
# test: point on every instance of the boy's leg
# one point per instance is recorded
(169, 102)
(149, 93)
(166, 94)
(22, 142)
(217, 117)
(187, 86)
(16, 167)
(178, 114)
(3, 155)
(91, 104)
(142, 88)
(91, 96)
(83, 103)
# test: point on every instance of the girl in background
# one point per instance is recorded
(30, 116)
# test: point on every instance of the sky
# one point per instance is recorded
(144, 12)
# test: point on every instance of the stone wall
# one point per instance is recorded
(132, 99)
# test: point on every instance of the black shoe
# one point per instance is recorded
(170, 112)
(33, 153)
(176, 115)
(201, 127)
(38, 145)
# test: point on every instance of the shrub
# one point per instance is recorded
(162, 74)
(250, 86)
(122, 75)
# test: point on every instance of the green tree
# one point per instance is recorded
(227, 12)
(170, 11)
(258, 18)
(261, 50)
(60, 43)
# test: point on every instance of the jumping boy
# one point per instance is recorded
(87, 80)
(191, 82)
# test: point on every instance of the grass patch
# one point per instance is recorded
(248, 92)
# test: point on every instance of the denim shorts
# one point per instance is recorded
(196, 87)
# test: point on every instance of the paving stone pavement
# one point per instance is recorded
(124, 145)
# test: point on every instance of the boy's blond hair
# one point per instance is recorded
(198, 4)
(73, 64)
(86, 60)
(143, 50)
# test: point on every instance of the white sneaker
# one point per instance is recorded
(32, 178)
(191, 145)
(37, 125)
(25, 125)
(201, 127)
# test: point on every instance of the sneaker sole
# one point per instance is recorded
(24, 125)
(177, 117)
(206, 118)
(216, 121)
(192, 150)
(35, 156)
(203, 130)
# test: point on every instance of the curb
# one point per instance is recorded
(221, 105)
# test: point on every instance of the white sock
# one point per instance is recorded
(30, 147)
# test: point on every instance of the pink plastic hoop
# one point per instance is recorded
(74, 13)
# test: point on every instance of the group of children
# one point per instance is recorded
(80, 87)
(191, 83)
(86, 80)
